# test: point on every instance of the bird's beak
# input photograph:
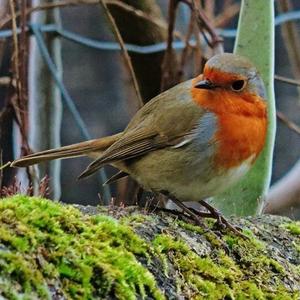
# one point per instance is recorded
(204, 84)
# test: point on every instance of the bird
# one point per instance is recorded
(192, 141)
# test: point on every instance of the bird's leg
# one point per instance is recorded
(187, 210)
(214, 213)
(195, 214)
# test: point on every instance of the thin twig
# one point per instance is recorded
(16, 45)
(215, 42)
(51, 5)
(172, 16)
(169, 70)
(5, 81)
(287, 80)
(124, 52)
(18, 102)
(291, 39)
(290, 124)
(187, 47)
(23, 55)
(139, 13)
(15, 58)
(5, 165)
(226, 15)
(128, 8)
(197, 53)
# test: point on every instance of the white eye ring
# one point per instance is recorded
(238, 85)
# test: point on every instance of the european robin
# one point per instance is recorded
(191, 142)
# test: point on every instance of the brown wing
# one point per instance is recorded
(116, 177)
(163, 122)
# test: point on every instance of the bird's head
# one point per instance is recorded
(232, 89)
(229, 81)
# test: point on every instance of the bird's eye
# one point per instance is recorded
(238, 85)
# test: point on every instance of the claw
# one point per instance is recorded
(213, 213)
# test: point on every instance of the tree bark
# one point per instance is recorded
(6, 114)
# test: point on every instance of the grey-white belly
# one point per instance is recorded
(183, 174)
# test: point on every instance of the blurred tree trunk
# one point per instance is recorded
(141, 31)
(6, 114)
(45, 109)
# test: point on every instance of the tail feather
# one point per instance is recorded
(75, 150)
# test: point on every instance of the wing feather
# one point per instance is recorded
(168, 120)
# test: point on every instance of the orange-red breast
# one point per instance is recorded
(192, 141)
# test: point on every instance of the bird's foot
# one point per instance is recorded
(221, 220)
(212, 213)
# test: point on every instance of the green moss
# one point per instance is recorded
(190, 227)
(135, 219)
(209, 235)
(209, 222)
(43, 242)
(297, 246)
(254, 258)
(292, 227)
(221, 277)
(213, 239)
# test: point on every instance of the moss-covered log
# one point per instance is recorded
(54, 251)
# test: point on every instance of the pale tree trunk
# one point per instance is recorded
(284, 195)
(140, 31)
(45, 108)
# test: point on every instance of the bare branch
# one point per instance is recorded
(15, 44)
(169, 69)
(48, 5)
(186, 50)
(124, 51)
(226, 15)
(215, 42)
(285, 193)
(290, 124)
(287, 80)
(137, 12)
(5, 81)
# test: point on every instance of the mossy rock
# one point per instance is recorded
(54, 251)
